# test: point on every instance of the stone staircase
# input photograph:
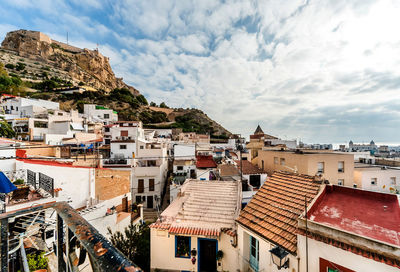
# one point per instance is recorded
(150, 215)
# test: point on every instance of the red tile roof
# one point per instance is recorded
(203, 161)
(209, 232)
(273, 211)
(372, 214)
(248, 168)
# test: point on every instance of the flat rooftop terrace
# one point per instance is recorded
(370, 214)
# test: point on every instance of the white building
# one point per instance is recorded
(376, 178)
(26, 107)
(363, 147)
(123, 137)
(184, 165)
(96, 112)
(149, 173)
(269, 222)
(197, 231)
(350, 230)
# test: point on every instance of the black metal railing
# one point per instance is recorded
(46, 183)
(73, 232)
(31, 178)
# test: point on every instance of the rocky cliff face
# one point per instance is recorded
(88, 66)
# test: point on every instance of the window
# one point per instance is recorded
(179, 168)
(141, 186)
(138, 199)
(393, 180)
(151, 163)
(106, 129)
(151, 185)
(123, 146)
(282, 161)
(182, 247)
(262, 164)
(39, 124)
(16, 108)
(60, 114)
(340, 182)
(107, 141)
(341, 167)
(373, 181)
(254, 255)
(276, 160)
(255, 181)
(124, 133)
(106, 116)
(321, 166)
(141, 147)
(12, 107)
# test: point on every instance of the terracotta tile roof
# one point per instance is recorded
(273, 211)
(248, 168)
(205, 162)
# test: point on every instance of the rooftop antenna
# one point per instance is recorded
(67, 37)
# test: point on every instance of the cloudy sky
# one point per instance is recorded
(320, 71)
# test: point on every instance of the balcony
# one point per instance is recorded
(77, 244)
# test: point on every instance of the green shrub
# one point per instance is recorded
(19, 182)
(10, 66)
(20, 66)
(37, 261)
(163, 105)
(142, 100)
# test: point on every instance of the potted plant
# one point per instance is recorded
(37, 262)
(220, 254)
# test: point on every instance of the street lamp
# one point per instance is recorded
(280, 257)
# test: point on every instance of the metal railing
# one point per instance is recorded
(72, 232)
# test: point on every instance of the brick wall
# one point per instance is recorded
(111, 183)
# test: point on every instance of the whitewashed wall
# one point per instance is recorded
(77, 183)
(336, 255)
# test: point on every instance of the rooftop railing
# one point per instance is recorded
(75, 240)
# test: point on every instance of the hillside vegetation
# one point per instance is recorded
(32, 67)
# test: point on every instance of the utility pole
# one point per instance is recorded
(305, 208)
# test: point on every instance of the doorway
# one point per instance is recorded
(150, 202)
(207, 255)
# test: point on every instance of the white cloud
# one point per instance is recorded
(291, 66)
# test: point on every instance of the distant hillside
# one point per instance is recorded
(36, 65)
(46, 56)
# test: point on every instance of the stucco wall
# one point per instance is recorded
(363, 179)
(163, 253)
(336, 255)
(73, 181)
(308, 164)
(265, 260)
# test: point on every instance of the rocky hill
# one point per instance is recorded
(70, 63)
(38, 65)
